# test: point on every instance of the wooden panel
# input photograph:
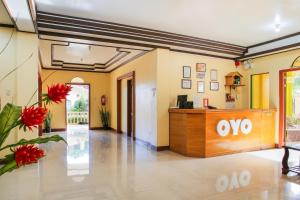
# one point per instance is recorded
(178, 133)
(218, 145)
(268, 130)
(193, 132)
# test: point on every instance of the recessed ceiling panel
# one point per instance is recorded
(84, 56)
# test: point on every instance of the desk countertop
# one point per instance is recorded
(201, 110)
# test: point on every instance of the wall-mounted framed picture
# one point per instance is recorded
(214, 75)
(186, 71)
(214, 86)
(186, 84)
(201, 87)
(200, 75)
(200, 67)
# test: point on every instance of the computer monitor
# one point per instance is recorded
(181, 100)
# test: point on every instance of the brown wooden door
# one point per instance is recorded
(129, 108)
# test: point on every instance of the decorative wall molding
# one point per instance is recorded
(74, 27)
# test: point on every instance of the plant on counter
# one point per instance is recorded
(11, 116)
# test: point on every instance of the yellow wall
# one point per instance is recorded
(145, 70)
(271, 64)
(158, 82)
(19, 86)
(99, 85)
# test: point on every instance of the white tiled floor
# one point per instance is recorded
(104, 165)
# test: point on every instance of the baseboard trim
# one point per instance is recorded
(56, 130)
(151, 146)
(99, 128)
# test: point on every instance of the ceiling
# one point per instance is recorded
(240, 22)
(4, 16)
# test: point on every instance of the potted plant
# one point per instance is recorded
(47, 122)
(104, 113)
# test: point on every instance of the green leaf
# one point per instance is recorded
(8, 120)
(8, 167)
(40, 140)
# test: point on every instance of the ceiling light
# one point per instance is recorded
(277, 19)
(277, 28)
(277, 23)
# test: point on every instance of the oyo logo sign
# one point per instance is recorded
(224, 126)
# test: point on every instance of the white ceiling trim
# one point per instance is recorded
(20, 13)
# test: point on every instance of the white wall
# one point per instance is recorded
(19, 86)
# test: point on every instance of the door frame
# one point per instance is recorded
(40, 100)
(66, 113)
(282, 111)
(129, 75)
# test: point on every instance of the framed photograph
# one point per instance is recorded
(186, 72)
(213, 75)
(186, 84)
(200, 86)
(214, 86)
(200, 75)
(200, 67)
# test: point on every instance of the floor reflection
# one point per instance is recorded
(78, 159)
(106, 165)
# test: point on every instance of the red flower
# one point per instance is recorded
(57, 93)
(32, 116)
(28, 154)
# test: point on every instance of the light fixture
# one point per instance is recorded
(277, 23)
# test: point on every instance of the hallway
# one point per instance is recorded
(105, 165)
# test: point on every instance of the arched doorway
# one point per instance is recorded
(78, 104)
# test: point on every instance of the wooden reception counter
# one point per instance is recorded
(206, 133)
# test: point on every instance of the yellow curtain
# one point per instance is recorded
(289, 93)
(260, 91)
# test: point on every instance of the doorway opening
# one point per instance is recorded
(126, 104)
(78, 106)
(260, 91)
(290, 107)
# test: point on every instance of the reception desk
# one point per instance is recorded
(207, 133)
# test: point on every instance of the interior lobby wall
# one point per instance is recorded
(20, 85)
(145, 83)
(169, 76)
(272, 64)
(99, 85)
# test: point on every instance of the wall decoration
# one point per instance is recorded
(213, 75)
(186, 84)
(200, 86)
(186, 72)
(200, 67)
(214, 86)
(200, 75)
